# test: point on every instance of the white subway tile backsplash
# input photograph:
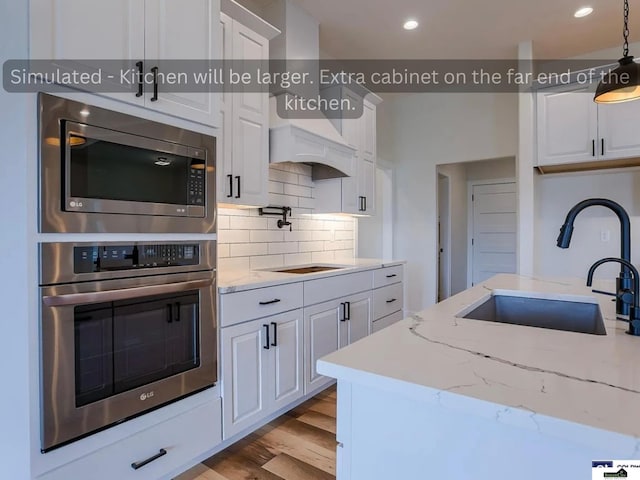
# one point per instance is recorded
(233, 236)
(249, 223)
(266, 261)
(238, 263)
(283, 247)
(248, 249)
(250, 241)
(264, 236)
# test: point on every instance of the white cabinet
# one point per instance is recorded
(388, 297)
(261, 369)
(138, 36)
(243, 166)
(332, 325)
(355, 194)
(572, 128)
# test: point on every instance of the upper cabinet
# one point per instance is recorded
(243, 165)
(355, 194)
(572, 128)
(140, 36)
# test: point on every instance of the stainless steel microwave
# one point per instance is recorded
(106, 172)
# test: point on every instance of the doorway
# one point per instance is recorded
(444, 238)
(493, 228)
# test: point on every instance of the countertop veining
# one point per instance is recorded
(592, 380)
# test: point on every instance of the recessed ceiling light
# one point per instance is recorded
(410, 25)
(583, 12)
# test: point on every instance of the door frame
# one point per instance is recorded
(470, 185)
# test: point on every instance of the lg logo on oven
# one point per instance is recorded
(146, 395)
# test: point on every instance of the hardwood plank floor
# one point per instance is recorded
(300, 445)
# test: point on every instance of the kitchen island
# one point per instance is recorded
(439, 396)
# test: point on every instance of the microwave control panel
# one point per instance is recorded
(196, 186)
(133, 257)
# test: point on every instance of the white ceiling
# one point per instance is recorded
(472, 29)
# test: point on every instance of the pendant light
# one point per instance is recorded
(623, 83)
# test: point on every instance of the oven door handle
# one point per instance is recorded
(123, 294)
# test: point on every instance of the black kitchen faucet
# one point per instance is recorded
(624, 282)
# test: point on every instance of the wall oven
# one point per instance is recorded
(103, 171)
(125, 328)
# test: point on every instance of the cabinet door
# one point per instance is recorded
(368, 132)
(90, 30)
(184, 31)
(224, 163)
(250, 126)
(245, 392)
(367, 186)
(567, 127)
(351, 194)
(619, 130)
(287, 355)
(357, 325)
(321, 338)
(352, 127)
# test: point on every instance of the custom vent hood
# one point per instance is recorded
(314, 141)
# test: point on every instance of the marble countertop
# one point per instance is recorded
(230, 281)
(591, 380)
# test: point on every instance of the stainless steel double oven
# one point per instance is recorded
(125, 326)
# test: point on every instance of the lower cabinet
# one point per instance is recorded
(261, 369)
(332, 325)
(157, 452)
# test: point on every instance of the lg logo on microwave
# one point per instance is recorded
(146, 395)
(75, 204)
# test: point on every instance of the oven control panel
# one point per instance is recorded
(103, 258)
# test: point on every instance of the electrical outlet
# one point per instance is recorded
(605, 235)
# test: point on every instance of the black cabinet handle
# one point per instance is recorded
(348, 304)
(275, 334)
(602, 146)
(365, 204)
(155, 84)
(136, 465)
(230, 177)
(392, 275)
(140, 66)
(270, 302)
(170, 308)
(392, 300)
(238, 194)
(266, 345)
(177, 304)
(344, 312)
(593, 147)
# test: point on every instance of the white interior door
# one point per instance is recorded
(493, 243)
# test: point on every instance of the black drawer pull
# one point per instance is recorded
(154, 70)
(271, 302)
(136, 465)
(344, 312)
(140, 66)
(238, 192)
(230, 177)
(392, 276)
(275, 334)
(266, 346)
(392, 300)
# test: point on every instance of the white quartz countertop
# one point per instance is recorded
(230, 281)
(588, 379)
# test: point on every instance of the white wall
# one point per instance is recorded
(249, 241)
(556, 194)
(18, 256)
(418, 132)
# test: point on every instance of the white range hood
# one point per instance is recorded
(314, 141)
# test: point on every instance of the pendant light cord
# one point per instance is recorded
(625, 32)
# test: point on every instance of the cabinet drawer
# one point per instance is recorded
(384, 322)
(325, 289)
(261, 302)
(387, 276)
(184, 438)
(387, 300)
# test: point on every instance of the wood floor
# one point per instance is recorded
(300, 445)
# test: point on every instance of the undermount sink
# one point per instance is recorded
(571, 313)
(307, 269)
